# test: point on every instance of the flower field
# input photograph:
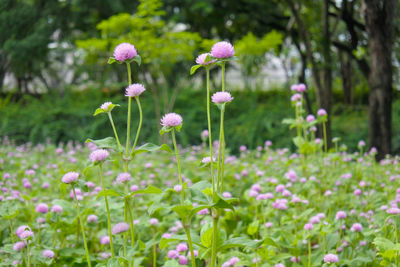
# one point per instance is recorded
(114, 203)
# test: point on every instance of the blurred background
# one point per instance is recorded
(54, 71)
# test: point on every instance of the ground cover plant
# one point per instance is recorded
(113, 203)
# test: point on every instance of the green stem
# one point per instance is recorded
(193, 260)
(221, 150)
(82, 227)
(177, 162)
(39, 233)
(12, 231)
(108, 212)
(309, 253)
(131, 224)
(325, 137)
(128, 123)
(140, 123)
(125, 234)
(29, 254)
(223, 75)
(154, 251)
(214, 240)
(209, 129)
(115, 131)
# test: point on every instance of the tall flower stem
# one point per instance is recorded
(28, 252)
(131, 224)
(221, 152)
(178, 163)
(108, 211)
(82, 228)
(309, 253)
(115, 131)
(186, 226)
(209, 128)
(214, 239)
(128, 123)
(140, 123)
(12, 231)
(325, 137)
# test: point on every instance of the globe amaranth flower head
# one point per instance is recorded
(123, 177)
(99, 155)
(221, 97)
(124, 51)
(70, 177)
(201, 59)
(222, 50)
(42, 208)
(134, 90)
(121, 227)
(105, 106)
(171, 120)
(331, 258)
(47, 253)
(21, 229)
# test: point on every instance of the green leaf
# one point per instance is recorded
(149, 147)
(206, 238)
(194, 68)
(240, 242)
(11, 215)
(165, 129)
(108, 193)
(99, 111)
(149, 190)
(137, 59)
(171, 263)
(111, 60)
(108, 142)
(183, 211)
(383, 244)
(253, 227)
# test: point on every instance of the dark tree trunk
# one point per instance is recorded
(379, 23)
(346, 73)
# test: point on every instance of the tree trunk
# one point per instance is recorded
(379, 22)
(346, 73)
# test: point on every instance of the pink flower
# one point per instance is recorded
(42, 208)
(308, 226)
(26, 233)
(181, 247)
(321, 112)
(57, 209)
(99, 155)
(105, 106)
(123, 178)
(222, 50)
(393, 210)
(105, 239)
(221, 97)
(20, 245)
(233, 261)
(183, 260)
(134, 90)
(153, 221)
(331, 258)
(310, 118)
(171, 120)
(124, 52)
(340, 215)
(173, 254)
(357, 227)
(47, 253)
(70, 177)
(120, 228)
(92, 218)
(202, 58)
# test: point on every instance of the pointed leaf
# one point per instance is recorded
(194, 68)
(108, 142)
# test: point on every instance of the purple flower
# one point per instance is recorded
(331, 258)
(171, 120)
(57, 209)
(124, 52)
(120, 228)
(393, 210)
(26, 234)
(310, 118)
(308, 226)
(105, 239)
(70, 177)
(134, 90)
(202, 58)
(357, 227)
(221, 97)
(20, 245)
(42, 208)
(173, 254)
(181, 247)
(47, 253)
(183, 260)
(222, 50)
(92, 218)
(233, 261)
(123, 178)
(321, 112)
(99, 155)
(20, 229)
(153, 221)
(340, 215)
(105, 106)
